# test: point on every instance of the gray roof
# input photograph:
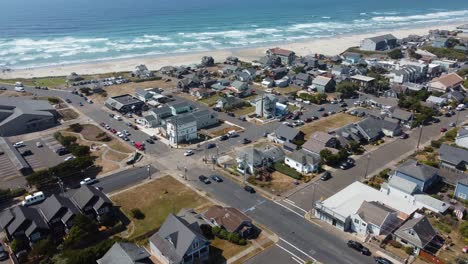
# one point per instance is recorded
(54, 205)
(175, 237)
(371, 127)
(13, 107)
(125, 253)
(382, 38)
(237, 84)
(403, 184)
(453, 155)
(302, 76)
(287, 132)
(417, 231)
(182, 119)
(13, 154)
(179, 104)
(255, 156)
(88, 194)
(401, 114)
(321, 80)
(374, 212)
(462, 132)
(23, 215)
(417, 170)
(303, 157)
(162, 110)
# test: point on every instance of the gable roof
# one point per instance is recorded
(303, 157)
(453, 155)
(53, 204)
(371, 127)
(228, 217)
(402, 184)
(287, 132)
(417, 231)
(380, 38)
(321, 80)
(86, 193)
(125, 253)
(23, 215)
(449, 80)
(417, 170)
(255, 156)
(281, 52)
(175, 237)
(401, 114)
(321, 137)
(374, 212)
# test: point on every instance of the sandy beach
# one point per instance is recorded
(328, 46)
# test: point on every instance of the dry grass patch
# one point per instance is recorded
(115, 156)
(157, 199)
(244, 110)
(68, 114)
(106, 165)
(224, 131)
(279, 183)
(90, 132)
(329, 123)
(227, 248)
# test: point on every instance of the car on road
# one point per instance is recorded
(150, 141)
(345, 165)
(204, 179)
(216, 178)
(210, 146)
(381, 260)
(325, 176)
(39, 144)
(189, 153)
(404, 136)
(69, 158)
(129, 124)
(81, 104)
(88, 181)
(358, 247)
(3, 253)
(26, 152)
(343, 104)
(68, 101)
(231, 114)
(249, 189)
(3, 88)
(443, 129)
(320, 109)
(246, 141)
(452, 124)
(107, 127)
(224, 137)
(19, 144)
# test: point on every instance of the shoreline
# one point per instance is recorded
(328, 46)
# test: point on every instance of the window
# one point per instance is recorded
(461, 195)
(356, 221)
(364, 224)
(195, 245)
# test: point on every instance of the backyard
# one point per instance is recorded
(328, 123)
(210, 101)
(244, 110)
(162, 197)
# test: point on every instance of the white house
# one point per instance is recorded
(181, 128)
(374, 218)
(462, 138)
(302, 162)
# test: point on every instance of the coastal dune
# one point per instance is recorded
(327, 46)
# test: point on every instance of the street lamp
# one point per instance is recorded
(149, 171)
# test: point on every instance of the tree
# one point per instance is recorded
(43, 247)
(395, 54)
(234, 238)
(137, 213)
(78, 150)
(464, 229)
(82, 232)
(223, 234)
(298, 70)
(76, 127)
(18, 244)
(347, 89)
(216, 230)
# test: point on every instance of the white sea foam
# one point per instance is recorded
(426, 17)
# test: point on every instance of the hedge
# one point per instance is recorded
(281, 167)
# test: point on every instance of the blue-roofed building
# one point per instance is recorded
(422, 175)
(461, 190)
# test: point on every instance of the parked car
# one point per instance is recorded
(381, 260)
(113, 130)
(443, 129)
(111, 115)
(358, 247)
(68, 101)
(224, 137)
(19, 144)
(81, 104)
(88, 181)
(149, 140)
(231, 114)
(404, 136)
(118, 118)
(345, 165)
(249, 189)
(325, 176)
(33, 198)
(210, 146)
(3, 253)
(189, 153)
(107, 127)
(70, 158)
(320, 109)
(39, 144)
(246, 141)
(216, 178)
(452, 124)
(26, 152)
(324, 114)
(102, 124)
(204, 179)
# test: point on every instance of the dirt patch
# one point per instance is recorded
(329, 123)
(92, 132)
(279, 184)
(225, 130)
(68, 114)
(115, 156)
(107, 165)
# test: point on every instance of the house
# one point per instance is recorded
(229, 102)
(201, 93)
(188, 82)
(278, 73)
(220, 84)
(180, 107)
(323, 84)
(379, 43)
(370, 128)
(455, 96)
(22, 222)
(231, 60)
(403, 116)
(142, 72)
(303, 161)
(21, 116)
(74, 77)
(124, 103)
(268, 82)
(144, 95)
(462, 138)
(417, 233)
(179, 242)
(436, 101)
(283, 82)
(231, 219)
(205, 118)
(390, 128)
(362, 81)
(339, 209)
(440, 42)
(320, 141)
(157, 116)
(252, 158)
(453, 158)
(422, 175)
(446, 82)
(243, 76)
(181, 128)
(287, 134)
(240, 89)
(287, 57)
(125, 253)
(351, 58)
(374, 219)
(59, 212)
(269, 106)
(302, 80)
(92, 202)
(228, 69)
(405, 73)
(461, 189)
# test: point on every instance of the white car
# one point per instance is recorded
(126, 133)
(69, 158)
(19, 144)
(189, 153)
(118, 118)
(119, 134)
(39, 144)
(87, 181)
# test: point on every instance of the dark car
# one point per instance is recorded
(249, 189)
(308, 120)
(26, 153)
(246, 141)
(358, 247)
(224, 137)
(102, 124)
(3, 253)
(216, 178)
(343, 104)
(149, 140)
(153, 137)
(324, 114)
(404, 136)
(111, 115)
(3, 88)
(345, 165)
(381, 260)
(320, 109)
(230, 114)
(68, 101)
(210, 146)
(435, 120)
(350, 161)
(447, 114)
(204, 179)
(442, 130)
(325, 176)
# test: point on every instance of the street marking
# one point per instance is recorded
(297, 260)
(292, 203)
(289, 209)
(307, 255)
(292, 254)
(254, 207)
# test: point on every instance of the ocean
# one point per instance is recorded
(35, 33)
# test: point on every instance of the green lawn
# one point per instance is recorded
(45, 81)
(244, 110)
(157, 200)
(210, 101)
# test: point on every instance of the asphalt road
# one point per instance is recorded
(124, 179)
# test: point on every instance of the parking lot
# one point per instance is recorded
(44, 156)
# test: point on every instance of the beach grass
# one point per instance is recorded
(58, 81)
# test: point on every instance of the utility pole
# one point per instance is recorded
(367, 166)
(419, 138)
(148, 168)
(185, 173)
(244, 162)
(315, 185)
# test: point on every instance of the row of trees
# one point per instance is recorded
(318, 98)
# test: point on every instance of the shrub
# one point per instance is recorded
(216, 230)
(395, 244)
(464, 229)
(18, 244)
(436, 143)
(53, 100)
(137, 213)
(242, 242)
(409, 250)
(234, 238)
(77, 128)
(429, 149)
(223, 234)
(280, 167)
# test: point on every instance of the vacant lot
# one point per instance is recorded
(328, 123)
(68, 114)
(244, 110)
(279, 183)
(91, 132)
(210, 101)
(161, 197)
